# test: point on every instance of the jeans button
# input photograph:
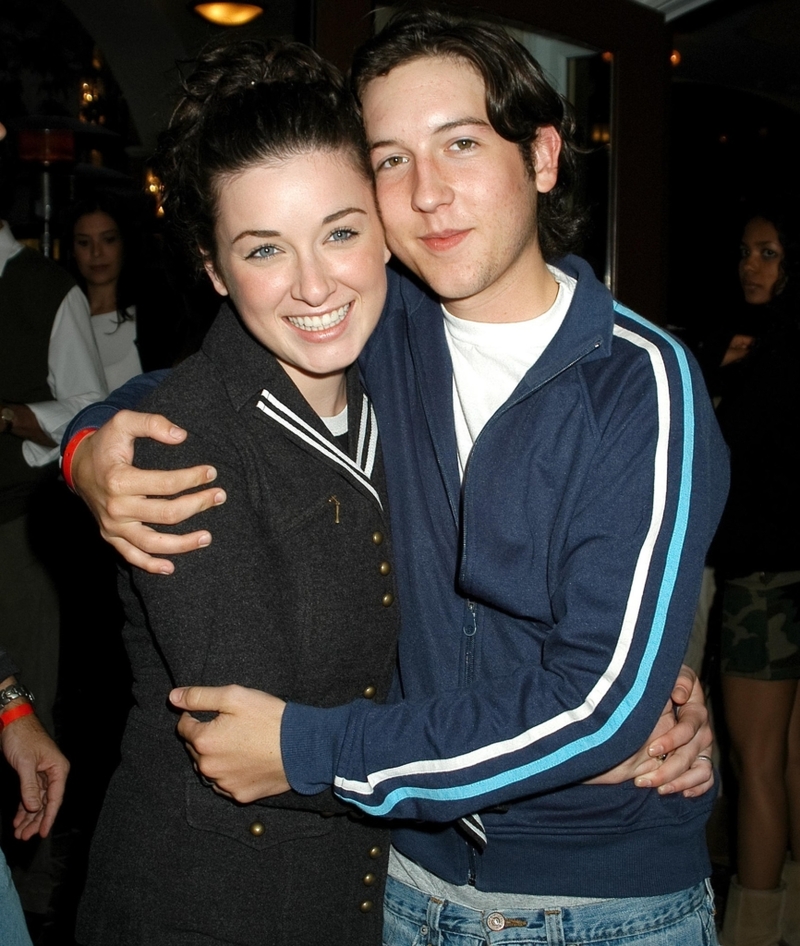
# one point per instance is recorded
(496, 921)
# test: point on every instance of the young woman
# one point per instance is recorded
(136, 317)
(268, 184)
(758, 558)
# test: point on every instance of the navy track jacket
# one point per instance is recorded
(546, 606)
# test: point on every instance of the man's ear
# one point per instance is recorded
(545, 151)
(215, 278)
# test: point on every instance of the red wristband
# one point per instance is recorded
(69, 454)
(16, 712)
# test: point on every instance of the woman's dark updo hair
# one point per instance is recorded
(246, 103)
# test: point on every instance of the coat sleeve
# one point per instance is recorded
(212, 622)
(128, 397)
(622, 581)
(7, 666)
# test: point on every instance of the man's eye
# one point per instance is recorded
(463, 144)
(392, 162)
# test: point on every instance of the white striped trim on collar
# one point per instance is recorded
(367, 427)
(280, 413)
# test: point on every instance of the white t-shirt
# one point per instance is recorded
(490, 359)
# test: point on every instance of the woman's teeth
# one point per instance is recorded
(316, 323)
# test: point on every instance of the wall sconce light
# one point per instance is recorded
(227, 13)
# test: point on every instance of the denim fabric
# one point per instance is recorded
(680, 919)
(13, 931)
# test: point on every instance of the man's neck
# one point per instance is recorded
(517, 296)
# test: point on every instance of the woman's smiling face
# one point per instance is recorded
(301, 252)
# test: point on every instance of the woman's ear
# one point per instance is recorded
(213, 275)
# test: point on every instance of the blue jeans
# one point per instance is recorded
(685, 918)
(13, 931)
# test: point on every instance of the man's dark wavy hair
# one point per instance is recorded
(519, 99)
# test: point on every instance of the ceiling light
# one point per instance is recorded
(227, 14)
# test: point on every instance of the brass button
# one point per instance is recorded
(387, 599)
(377, 537)
(375, 852)
(365, 906)
(369, 880)
(256, 829)
(384, 568)
(369, 693)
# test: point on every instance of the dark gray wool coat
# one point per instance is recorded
(294, 596)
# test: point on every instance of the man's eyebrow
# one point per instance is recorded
(272, 234)
(445, 126)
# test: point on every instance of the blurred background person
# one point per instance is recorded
(42, 771)
(136, 317)
(49, 369)
(757, 554)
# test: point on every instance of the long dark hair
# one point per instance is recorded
(784, 215)
(248, 102)
(519, 99)
(123, 217)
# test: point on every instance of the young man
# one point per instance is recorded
(555, 476)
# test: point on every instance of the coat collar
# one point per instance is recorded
(259, 387)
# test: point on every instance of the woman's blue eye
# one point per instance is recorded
(342, 234)
(263, 252)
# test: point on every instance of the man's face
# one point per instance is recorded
(457, 201)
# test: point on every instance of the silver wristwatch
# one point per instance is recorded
(15, 692)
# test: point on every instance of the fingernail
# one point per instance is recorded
(643, 782)
(204, 540)
(219, 497)
(656, 749)
(664, 790)
(211, 473)
(176, 696)
(177, 433)
(688, 793)
(165, 570)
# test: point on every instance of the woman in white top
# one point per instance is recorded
(99, 257)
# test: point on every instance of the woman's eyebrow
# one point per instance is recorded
(272, 234)
(256, 233)
(343, 213)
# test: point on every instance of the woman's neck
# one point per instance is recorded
(327, 394)
(102, 298)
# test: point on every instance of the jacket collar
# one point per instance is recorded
(585, 334)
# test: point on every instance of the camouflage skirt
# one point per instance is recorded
(761, 626)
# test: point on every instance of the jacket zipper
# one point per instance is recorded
(470, 630)
(595, 345)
